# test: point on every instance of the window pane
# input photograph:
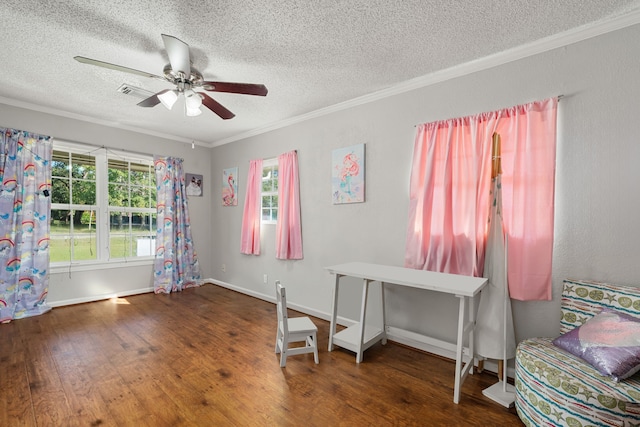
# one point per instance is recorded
(147, 222)
(59, 221)
(60, 164)
(83, 166)
(88, 221)
(154, 224)
(119, 235)
(132, 234)
(269, 193)
(144, 234)
(266, 185)
(269, 214)
(118, 221)
(60, 236)
(139, 177)
(83, 192)
(138, 222)
(118, 195)
(140, 197)
(269, 179)
(84, 235)
(73, 235)
(59, 190)
(141, 174)
(119, 245)
(152, 197)
(131, 185)
(145, 245)
(118, 171)
(73, 232)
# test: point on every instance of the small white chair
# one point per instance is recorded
(296, 329)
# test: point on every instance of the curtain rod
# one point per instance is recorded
(559, 97)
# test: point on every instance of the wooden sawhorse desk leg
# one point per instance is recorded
(463, 330)
(359, 341)
(334, 311)
(363, 312)
(384, 317)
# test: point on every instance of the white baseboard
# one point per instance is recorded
(437, 347)
(94, 298)
(292, 305)
(424, 343)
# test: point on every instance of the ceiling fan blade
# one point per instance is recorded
(242, 88)
(153, 100)
(216, 107)
(116, 67)
(178, 52)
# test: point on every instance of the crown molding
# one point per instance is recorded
(81, 117)
(510, 55)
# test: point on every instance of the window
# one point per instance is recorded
(132, 213)
(453, 239)
(73, 207)
(103, 205)
(270, 191)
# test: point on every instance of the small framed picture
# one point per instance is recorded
(194, 184)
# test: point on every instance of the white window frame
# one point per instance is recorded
(102, 208)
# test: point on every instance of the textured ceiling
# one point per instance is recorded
(311, 54)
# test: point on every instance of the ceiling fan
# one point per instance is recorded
(181, 73)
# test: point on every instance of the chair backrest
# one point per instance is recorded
(281, 303)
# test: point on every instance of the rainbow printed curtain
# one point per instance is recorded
(176, 264)
(25, 206)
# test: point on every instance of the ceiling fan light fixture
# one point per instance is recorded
(192, 99)
(168, 98)
(192, 112)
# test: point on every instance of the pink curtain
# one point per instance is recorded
(528, 192)
(250, 234)
(288, 226)
(449, 195)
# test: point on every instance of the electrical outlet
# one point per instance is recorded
(224, 268)
(266, 279)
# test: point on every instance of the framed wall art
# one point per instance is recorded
(194, 184)
(347, 174)
(230, 187)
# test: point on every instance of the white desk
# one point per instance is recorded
(360, 336)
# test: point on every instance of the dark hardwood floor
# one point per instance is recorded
(205, 357)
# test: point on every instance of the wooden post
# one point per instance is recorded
(496, 153)
(496, 169)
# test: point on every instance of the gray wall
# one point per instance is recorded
(597, 179)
